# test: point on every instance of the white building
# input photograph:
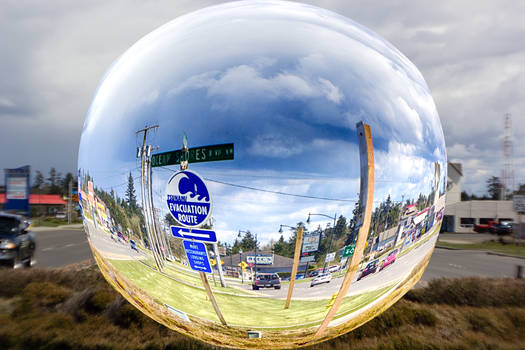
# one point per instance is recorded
(462, 216)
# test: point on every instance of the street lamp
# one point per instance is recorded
(331, 236)
(281, 228)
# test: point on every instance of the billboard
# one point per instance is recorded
(17, 189)
(262, 259)
(311, 242)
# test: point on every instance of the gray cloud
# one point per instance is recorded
(471, 54)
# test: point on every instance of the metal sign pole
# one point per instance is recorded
(219, 265)
(212, 297)
(298, 245)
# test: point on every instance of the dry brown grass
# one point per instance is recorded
(56, 309)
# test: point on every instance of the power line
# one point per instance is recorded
(274, 192)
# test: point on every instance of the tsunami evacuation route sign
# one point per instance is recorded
(188, 198)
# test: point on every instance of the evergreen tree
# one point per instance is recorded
(248, 241)
(131, 198)
(494, 187)
(280, 247)
(39, 180)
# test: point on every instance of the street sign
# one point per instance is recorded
(195, 234)
(188, 199)
(197, 256)
(348, 250)
(242, 265)
(195, 155)
(305, 259)
(330, 257)
(519, 203)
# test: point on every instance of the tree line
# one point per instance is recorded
(54, 183)
(494, 190)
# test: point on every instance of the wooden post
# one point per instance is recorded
(366, 198)
(297, 255)
(212, 297)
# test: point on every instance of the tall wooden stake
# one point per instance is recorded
(212, 297)
(298, 244)
(366, 198)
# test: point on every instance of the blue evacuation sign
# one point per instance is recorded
(188, 198)
(197, 256)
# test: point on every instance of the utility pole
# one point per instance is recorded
(145, 187)
(70, 194)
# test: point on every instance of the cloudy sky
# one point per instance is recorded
(471, 54)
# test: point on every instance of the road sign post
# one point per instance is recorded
(298, 245)
(366, 201)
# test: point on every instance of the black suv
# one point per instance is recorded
(17, 243)
(267, 280)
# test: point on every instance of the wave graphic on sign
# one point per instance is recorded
(193, 185)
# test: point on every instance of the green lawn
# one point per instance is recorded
(186, 276)
(493, 246)
(237, 310)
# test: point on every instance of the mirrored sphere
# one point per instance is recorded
(262, 175)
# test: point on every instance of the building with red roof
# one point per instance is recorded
(42, 204)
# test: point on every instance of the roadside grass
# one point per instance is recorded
(491, 245)
(191, 278)
(238, 310)
(52, 222)
(59, 309)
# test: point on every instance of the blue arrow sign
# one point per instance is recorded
(197, 256)
(196, 234)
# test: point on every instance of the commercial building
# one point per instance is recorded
(42, 204)
(461, 216)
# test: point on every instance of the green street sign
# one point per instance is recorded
(348, 251)
(195, 155)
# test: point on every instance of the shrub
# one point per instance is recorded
(471, 292)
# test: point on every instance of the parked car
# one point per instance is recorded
(503, 228)
(334, 268)
(60, 215)
(315, 273)
(299, 276)
(322, 278)
(390, 259)
(267, 280)
(369, 269)
(17, 243)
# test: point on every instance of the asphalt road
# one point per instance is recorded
(61, 247)
(466, 263)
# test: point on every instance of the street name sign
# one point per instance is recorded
(348, 250)
(195, 234)
(188, 198)
(195, 155)
(197, 256)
